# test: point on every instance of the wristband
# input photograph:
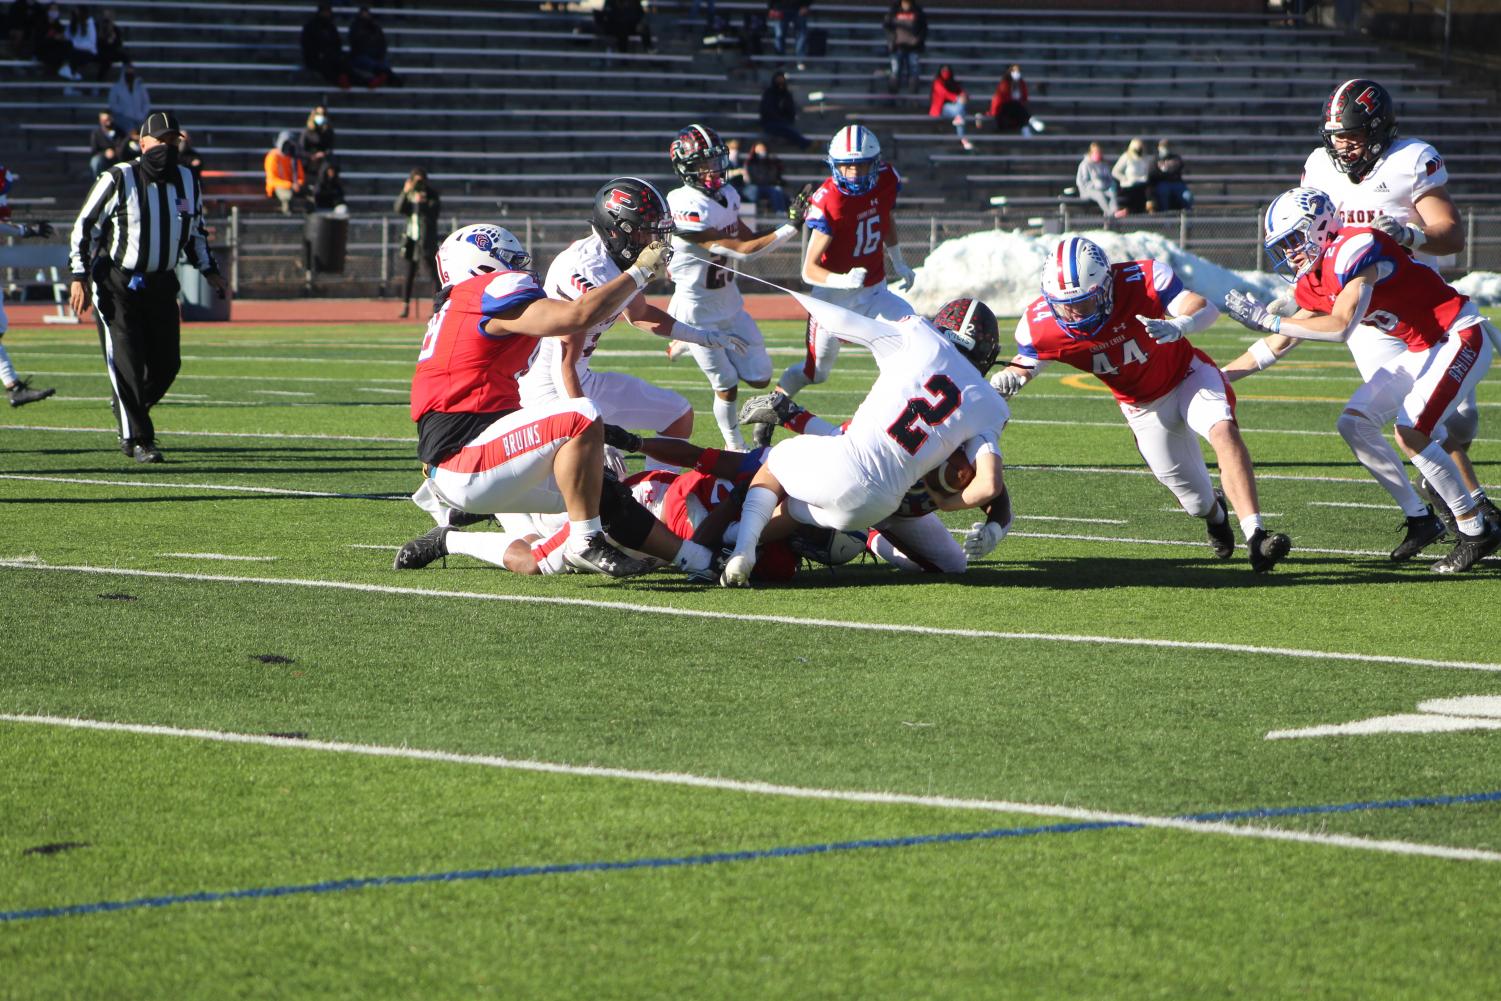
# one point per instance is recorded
(1264, 356)
(639, 275)
(785, 232)
(1418, 237)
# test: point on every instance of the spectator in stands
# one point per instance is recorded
(1095, 183)
(1009, 107)
(83, 36)
(322, 49)
(111, 43)
(189, 157)
(317, 139)
(906, 27)
(1132, 172)
(367, 50)
(1168, 187)
(105, 144)
(948, 101)
(735, 175)
(286, 180)
(53, 49)
(779, 112)
(328, 190)
(618, 20)
(789, 17)
(129, 100)
(764, 182)
(419, 202)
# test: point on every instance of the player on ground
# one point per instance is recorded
(1346, 276)
(1400, 187)
(485, 453)
(930, 399)
(852, 236)
(1128, 324)
(629, 214)
(708, 233)
(18, 390)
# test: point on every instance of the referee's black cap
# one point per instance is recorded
(159, 123)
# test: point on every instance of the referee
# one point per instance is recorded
(140, 216)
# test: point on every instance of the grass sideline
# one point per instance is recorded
(289, 455)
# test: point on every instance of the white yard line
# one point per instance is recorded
(773, 789)
(281, 392)
(174, 485)
(220, 556)
(780, 620)
(174, 433)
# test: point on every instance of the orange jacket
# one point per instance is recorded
(283, 171)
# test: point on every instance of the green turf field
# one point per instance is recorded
(1050, 778)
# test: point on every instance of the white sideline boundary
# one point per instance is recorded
(772, 789)
(778, 620)
(174, 485)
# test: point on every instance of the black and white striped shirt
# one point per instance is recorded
(143, 227)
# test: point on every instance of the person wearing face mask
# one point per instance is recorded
(1008, 105)
(318, 138)
(286, 178)
(420, 203)
(1095, 183)
(138, 219)
(129, 100)
(1132, 171)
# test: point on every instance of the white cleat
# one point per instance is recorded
(737, 572)
(676, 349)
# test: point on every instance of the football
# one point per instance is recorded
(952, 475)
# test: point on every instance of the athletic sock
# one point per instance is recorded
(808, 423)
(792, 380)
(1217, 515)
(1250, 525)
(1376, 454)
(1473, 525)
(692, 557)
(727, 418)
(1443, 477)
(580, 531)
(488, 546)
(759, 504)
(7, 373)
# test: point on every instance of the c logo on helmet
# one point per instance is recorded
(621, 198)
(1367, 100)
(482, 241)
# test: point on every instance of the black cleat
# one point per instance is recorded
(128, 447)
(427, 547)
(1266, 551)
(1437, 505)
(1490, 512)
(598, 556)
(1424, 530)
(1221, 536)
(1469, 550)
(463, 519)
(146, 452)
(21, 393)
(769, 408)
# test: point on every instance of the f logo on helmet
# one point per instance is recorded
(621, 199)
(1367, 100)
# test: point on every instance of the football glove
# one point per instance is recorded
(41, 229)
(653, 260)
(1408, 235)
(708, 337)
(1163, 331)
(905, 276)
(982, 538)
(797, 211)
(852, 279)
(1249, 313)
(626, 441)
(1284, 306)
(1008, 382)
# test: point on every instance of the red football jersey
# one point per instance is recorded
(1121, 352)
(461, 369)
(1409, 300)
(858, 224)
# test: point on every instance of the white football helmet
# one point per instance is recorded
(855, 145)
(477, 250)
(1299, 223)
(1078, 286)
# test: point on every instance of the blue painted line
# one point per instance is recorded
(513, 872)
(1381, 804)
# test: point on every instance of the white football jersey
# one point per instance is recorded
(706, 289)
(1408, 171)
(582, 266)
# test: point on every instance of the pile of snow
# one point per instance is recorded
(1002, 268)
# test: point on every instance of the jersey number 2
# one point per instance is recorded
(904, 430)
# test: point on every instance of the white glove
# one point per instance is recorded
(1008, 381)
(708, 337)
(852, 279)
(1406, 234)
(1249, 313)
(982, 537)
(1164, 331)
(651, 262)
(1284, 306)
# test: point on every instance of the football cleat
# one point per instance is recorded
(1469, 550)
(760, 435)
(146, 451)
(737, 571)
(21, 393)
(427, 547)
(1221, 536)
(463, 519)
(1437, 505)
(1490, 512)
(598, 556)
(1266, 551)
(711, 573)
(769, 408)
(676, 350)
(1423, 530)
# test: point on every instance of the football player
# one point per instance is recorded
(629, 215)
(18, 390)
(852, 237)
(930, 399)
(1346, 276)
(482, 451)
(708, 233)
(1400, 187)
(1128, 324)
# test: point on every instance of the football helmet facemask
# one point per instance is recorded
(855, 159)
(1298, 224)
(479, 249)
(1078, 285)
(1359, 126)
(972, 328)
(700, 158)
(629, 215)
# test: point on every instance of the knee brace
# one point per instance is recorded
(622, 515)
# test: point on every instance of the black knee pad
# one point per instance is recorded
(622, 514)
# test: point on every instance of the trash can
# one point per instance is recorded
(200, 303)
(325, 239)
